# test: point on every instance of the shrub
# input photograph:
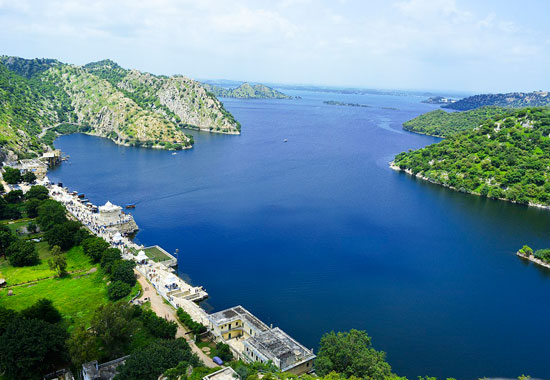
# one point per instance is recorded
(123, 270)
(22, 253)
(186, 319)
(157, 326)
(224, 352)
(117, 290)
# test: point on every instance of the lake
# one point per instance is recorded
(319, 234)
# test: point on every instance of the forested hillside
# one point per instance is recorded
(247, 91)
(511, 100)
(103, 99)
(442, 124)
(507, 159)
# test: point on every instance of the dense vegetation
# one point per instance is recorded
(506, 158)
(247, 91)
(102, 98)
(442, 124)
(512, 100)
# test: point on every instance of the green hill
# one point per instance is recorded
(103, 99)
(442, 124)
(506, 158)
(247, 91)
(510, 100)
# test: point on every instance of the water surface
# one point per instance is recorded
(318, 234)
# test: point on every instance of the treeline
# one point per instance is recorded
(502, 159)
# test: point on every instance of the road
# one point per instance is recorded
(166, 311)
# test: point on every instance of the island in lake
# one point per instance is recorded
(246, 91)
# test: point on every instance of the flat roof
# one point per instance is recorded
(276, 344)
(226, 373)
(237, 312)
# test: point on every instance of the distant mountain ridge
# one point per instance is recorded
(103, 99)
(509, 100)
(246, 91)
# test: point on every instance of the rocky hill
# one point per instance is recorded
(103, 99)
(510, 100)
(246, 91)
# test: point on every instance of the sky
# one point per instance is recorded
(447, 45)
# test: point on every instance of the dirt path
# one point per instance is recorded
(167, 311)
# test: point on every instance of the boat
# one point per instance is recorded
(81, 196)
(173, 154)
(285, 140)
(130, 205)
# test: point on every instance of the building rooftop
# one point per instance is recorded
(226, 373)
(105, 371)
(276, 344)
(237, 312)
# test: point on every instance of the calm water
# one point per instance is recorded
(318, 234)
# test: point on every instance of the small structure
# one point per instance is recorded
(226, 373)
(35, 166)
(106, 371)
(278, 347)
(112, 217)
(110, 213)
(254, 341)
(52, 158)
(2, 282)
(142, 258)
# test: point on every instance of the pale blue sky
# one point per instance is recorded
(461, 45)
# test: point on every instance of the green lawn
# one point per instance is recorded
(16, 224)
(76, 298)
(156, 254)
(76, 260)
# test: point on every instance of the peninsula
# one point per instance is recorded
(511, 100)
(246, 91)
(103, 99)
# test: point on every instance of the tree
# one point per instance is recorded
(28, 177)
(11, 211)
(11, 175)
(22, 253)
(62, 235)
(109, 258)
(6, 239)
(157, 326)
(50, 213)
(57, 262)
(113, 325)
(31, 207)
(94, 247)
(528, 251)
(82, 346)
(350, 353)
(30, 348)
(117, 290)
(42, 309)
(123, 270)
(14, 196)
(153, 360)
(37, 192)
(224, 352)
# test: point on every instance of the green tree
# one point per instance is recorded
(117, 290)
(113, 325)
(109, 258)
(28, 177)
(31, 207)
(22, 253)
(527, 250)
(63, 235)
(82, 346)
(350, 353)
(224, 352)
(50, 213)
(151, 362)
(14, 196)
(123, 270)
(11, 175)
(6, 239)
(37, 192)
(58, 262)
(157, 326)
(94, 247)
(30, 348)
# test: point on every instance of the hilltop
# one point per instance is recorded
(442, 124)
(504, 158)
(510, 100)
(103, 99)
(247, 91)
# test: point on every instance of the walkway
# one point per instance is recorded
(162, 309)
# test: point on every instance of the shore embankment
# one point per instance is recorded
(420, 176)
(533, 259)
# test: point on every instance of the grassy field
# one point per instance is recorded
(76, 260)
(76, 296)
(156, 254)
(16, 224)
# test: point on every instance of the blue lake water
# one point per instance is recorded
(318, 234)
